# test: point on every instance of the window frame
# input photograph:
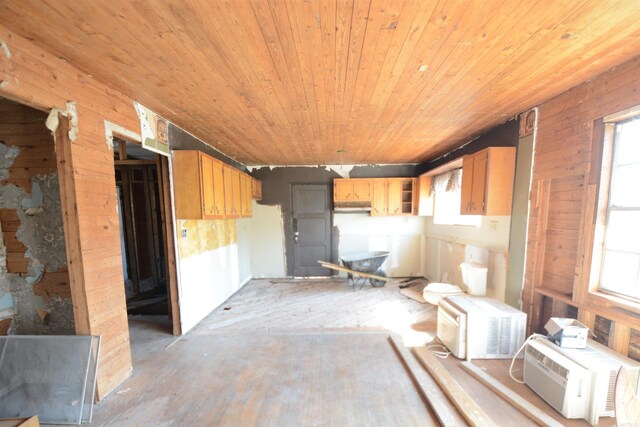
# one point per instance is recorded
(604, 132)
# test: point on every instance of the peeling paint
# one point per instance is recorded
(53, 120)
(5, 49)
(3, 84)
(73, 121)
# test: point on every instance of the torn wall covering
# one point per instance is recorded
(34, 283)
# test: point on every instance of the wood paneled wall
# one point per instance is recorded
(563, 198)
(34, 77)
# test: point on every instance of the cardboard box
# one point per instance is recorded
(567, 333)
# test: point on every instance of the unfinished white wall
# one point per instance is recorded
(244, 249)
(208, 266)
(401, 236)
(445, 250)
(266, 236)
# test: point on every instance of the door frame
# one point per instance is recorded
(164, 190)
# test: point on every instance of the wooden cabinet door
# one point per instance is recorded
(237, 205)
(207, 185)
(361, 189)
(218, 190)
(467, 185)
(342, 190)
(379, 197)
(478, 194)
(395, 196)
(256, 189)
(245, 195)
(228, 190)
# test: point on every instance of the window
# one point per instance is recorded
(447, 200)
(620, 269)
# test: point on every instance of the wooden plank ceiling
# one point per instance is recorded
(323, 82)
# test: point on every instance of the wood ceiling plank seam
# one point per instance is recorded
(448, 17)
(239, 40)
(422, 108)
(568, 54)
(360, 26)
(507, 20)
(90, 34)
(295, 64)
(279, 53)
(412, 120)
(381, 13)
(241, 140)
(401, 33)
(455, 75)
(48, 78)
(313, 36)
(395, 35)
(443, 35)
(51, 76)
(230, 130)
(344, 13)
(502, 83)
(548, 92)
(304, 54)
(277, 88)
(596, 49)
(328, 24)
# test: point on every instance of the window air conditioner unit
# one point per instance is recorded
(480, 328)
(578, 383)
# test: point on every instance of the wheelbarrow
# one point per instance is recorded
(361, 267)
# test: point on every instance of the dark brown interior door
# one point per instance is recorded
(311, 229)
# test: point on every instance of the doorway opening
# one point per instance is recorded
(143, 231)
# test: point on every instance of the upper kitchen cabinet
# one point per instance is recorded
(256, 189)
(351, 190)
(198, 185)
(393, 196)
(487, 181)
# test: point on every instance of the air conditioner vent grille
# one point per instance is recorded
(611, 392)
(499, 336)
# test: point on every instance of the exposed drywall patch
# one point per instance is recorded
(200, 236)
(5, 49)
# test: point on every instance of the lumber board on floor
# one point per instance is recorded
(510, 396)
(438, 401)
(470, 410)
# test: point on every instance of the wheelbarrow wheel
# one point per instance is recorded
(377, 283)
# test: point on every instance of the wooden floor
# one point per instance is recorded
(291, 353)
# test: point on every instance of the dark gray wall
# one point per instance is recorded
(276, 190)
(504, 135)
(181, 140)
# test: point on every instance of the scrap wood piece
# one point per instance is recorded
(470, 410)
(517, 401)
(415, 294)
(20, 422)
(347, 270)
(431, 393)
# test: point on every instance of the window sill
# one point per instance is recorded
(609, 301)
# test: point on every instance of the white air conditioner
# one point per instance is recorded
(561, 382)
(480, 328)
(578, 383)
